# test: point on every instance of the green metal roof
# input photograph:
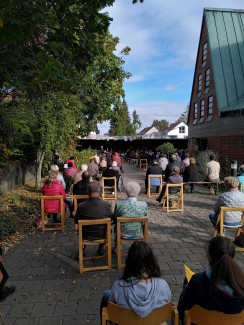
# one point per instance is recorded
(226, 40)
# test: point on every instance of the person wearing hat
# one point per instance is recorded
(152, 170)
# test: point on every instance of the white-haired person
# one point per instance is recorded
(231, 198)
(78, 176)
(60, 178)
(131, 208)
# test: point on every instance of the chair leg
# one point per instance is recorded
(119, 253)
(81, 259)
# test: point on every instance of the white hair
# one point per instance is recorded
(132, 189)
(84, 167)
(54, 168)
(114, 164)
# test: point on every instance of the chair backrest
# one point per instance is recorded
(123, 316)
(155, 180)
(109, 180)
(128, 220)
(177, 187)
(46, 227)
(201, 316)
(79, 197)
(57, 197)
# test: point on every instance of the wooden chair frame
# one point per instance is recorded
(143, 162)
(178, 196)
(114, 187)
(106, 241)
(123, 316)
(79, 197)
(46, 227)
(201, 316)
(120, 240)
(220, 224)
(241, 188)
(149, 194)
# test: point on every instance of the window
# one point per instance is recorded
(199, 87)
(210, 105)
(195, 111)
(202, 108)
(204, 52)
(182, 129)
(207, 78)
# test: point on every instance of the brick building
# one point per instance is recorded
(216, 114)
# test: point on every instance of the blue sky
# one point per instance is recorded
(163, 36)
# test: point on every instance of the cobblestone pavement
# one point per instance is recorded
(49, 289)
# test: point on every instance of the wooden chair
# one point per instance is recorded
(178, 196)
(45, 222)
(106, 241)
(120, 240)
(123, 316)
(201, 316)
(143, 162)
(220, 224)
(112, 188)
(242, 188)
(154, 180)
(79, 197)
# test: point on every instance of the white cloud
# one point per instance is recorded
(135, 78)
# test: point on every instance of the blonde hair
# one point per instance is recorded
(192, 161)
(53, 174)
(54, 168)
(176, 169)
(231, 182)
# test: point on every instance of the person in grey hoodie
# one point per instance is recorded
(141, 287)
(231, 198)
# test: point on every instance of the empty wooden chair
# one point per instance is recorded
(154, 180)
(120, 240)
(201, 316)
(113, 188)
(46, 224)
(168, 196)
(106, 241)
(220, 224)
(143, 164)
(79, 197)
(123, 316)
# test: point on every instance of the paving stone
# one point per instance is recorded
(27, 321)
(20, 310)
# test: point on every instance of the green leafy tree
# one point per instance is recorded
(136, 122)
(166, 148)
(159, 124)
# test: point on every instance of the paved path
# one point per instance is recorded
(51, 291)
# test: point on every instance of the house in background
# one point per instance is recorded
(216, 114)
(147, 132)
(177, 130)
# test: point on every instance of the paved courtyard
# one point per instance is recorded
(44, 269)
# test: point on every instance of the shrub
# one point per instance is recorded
(166, 148)
(202, 158)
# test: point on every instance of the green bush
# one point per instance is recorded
(202, 158)
(81, 157)
(166, 148)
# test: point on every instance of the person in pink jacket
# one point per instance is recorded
(53, 187)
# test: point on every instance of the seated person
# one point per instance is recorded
(191, 173)
(59, 162)
(81, 187)
(175, 178)
(163, 162)
(78, 176)
(220, 287)
(92, 209)
(59, 176)
(231, 198)
(72, 160)
(169, 168)
(4, 291)
(152, 170)
(212, 172)
(70, 171)
(109, 172)
(103, 164)
(131, 208)
(93, 168)
(241, 177)
(141, 287)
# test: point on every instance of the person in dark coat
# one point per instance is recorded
(220, 287)
(152, 170)
(109, 172)
(81, 187)
(169, 168)
(191, 173)
(4, 291)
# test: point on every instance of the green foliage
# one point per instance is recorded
(166, 148)
(202, 158)
(159, 124)
(14, 198)
(81, 157)
(136, 122)
(184, 116)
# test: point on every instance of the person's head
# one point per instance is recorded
(212, 156)
(109, 164)
(176, 170)
(55, 168)
(94, 189)
(85, 176)
(52, 175)
(70, 164)
(141, 262)
(241, 169)
(92, 160)
(116, 153)
(83, 167)
(114, 164)
(173, 157)
(155, 162)
(192, 161)
(132, 189)
(221, 252)
(72, 158)
(187, 155)
(231, 182)
(163, 155)
(56, 157)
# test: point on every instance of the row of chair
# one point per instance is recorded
(196, 315)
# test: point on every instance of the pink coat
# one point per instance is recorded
(56, 189)
(118, 161)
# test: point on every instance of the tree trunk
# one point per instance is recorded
(39, 161)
